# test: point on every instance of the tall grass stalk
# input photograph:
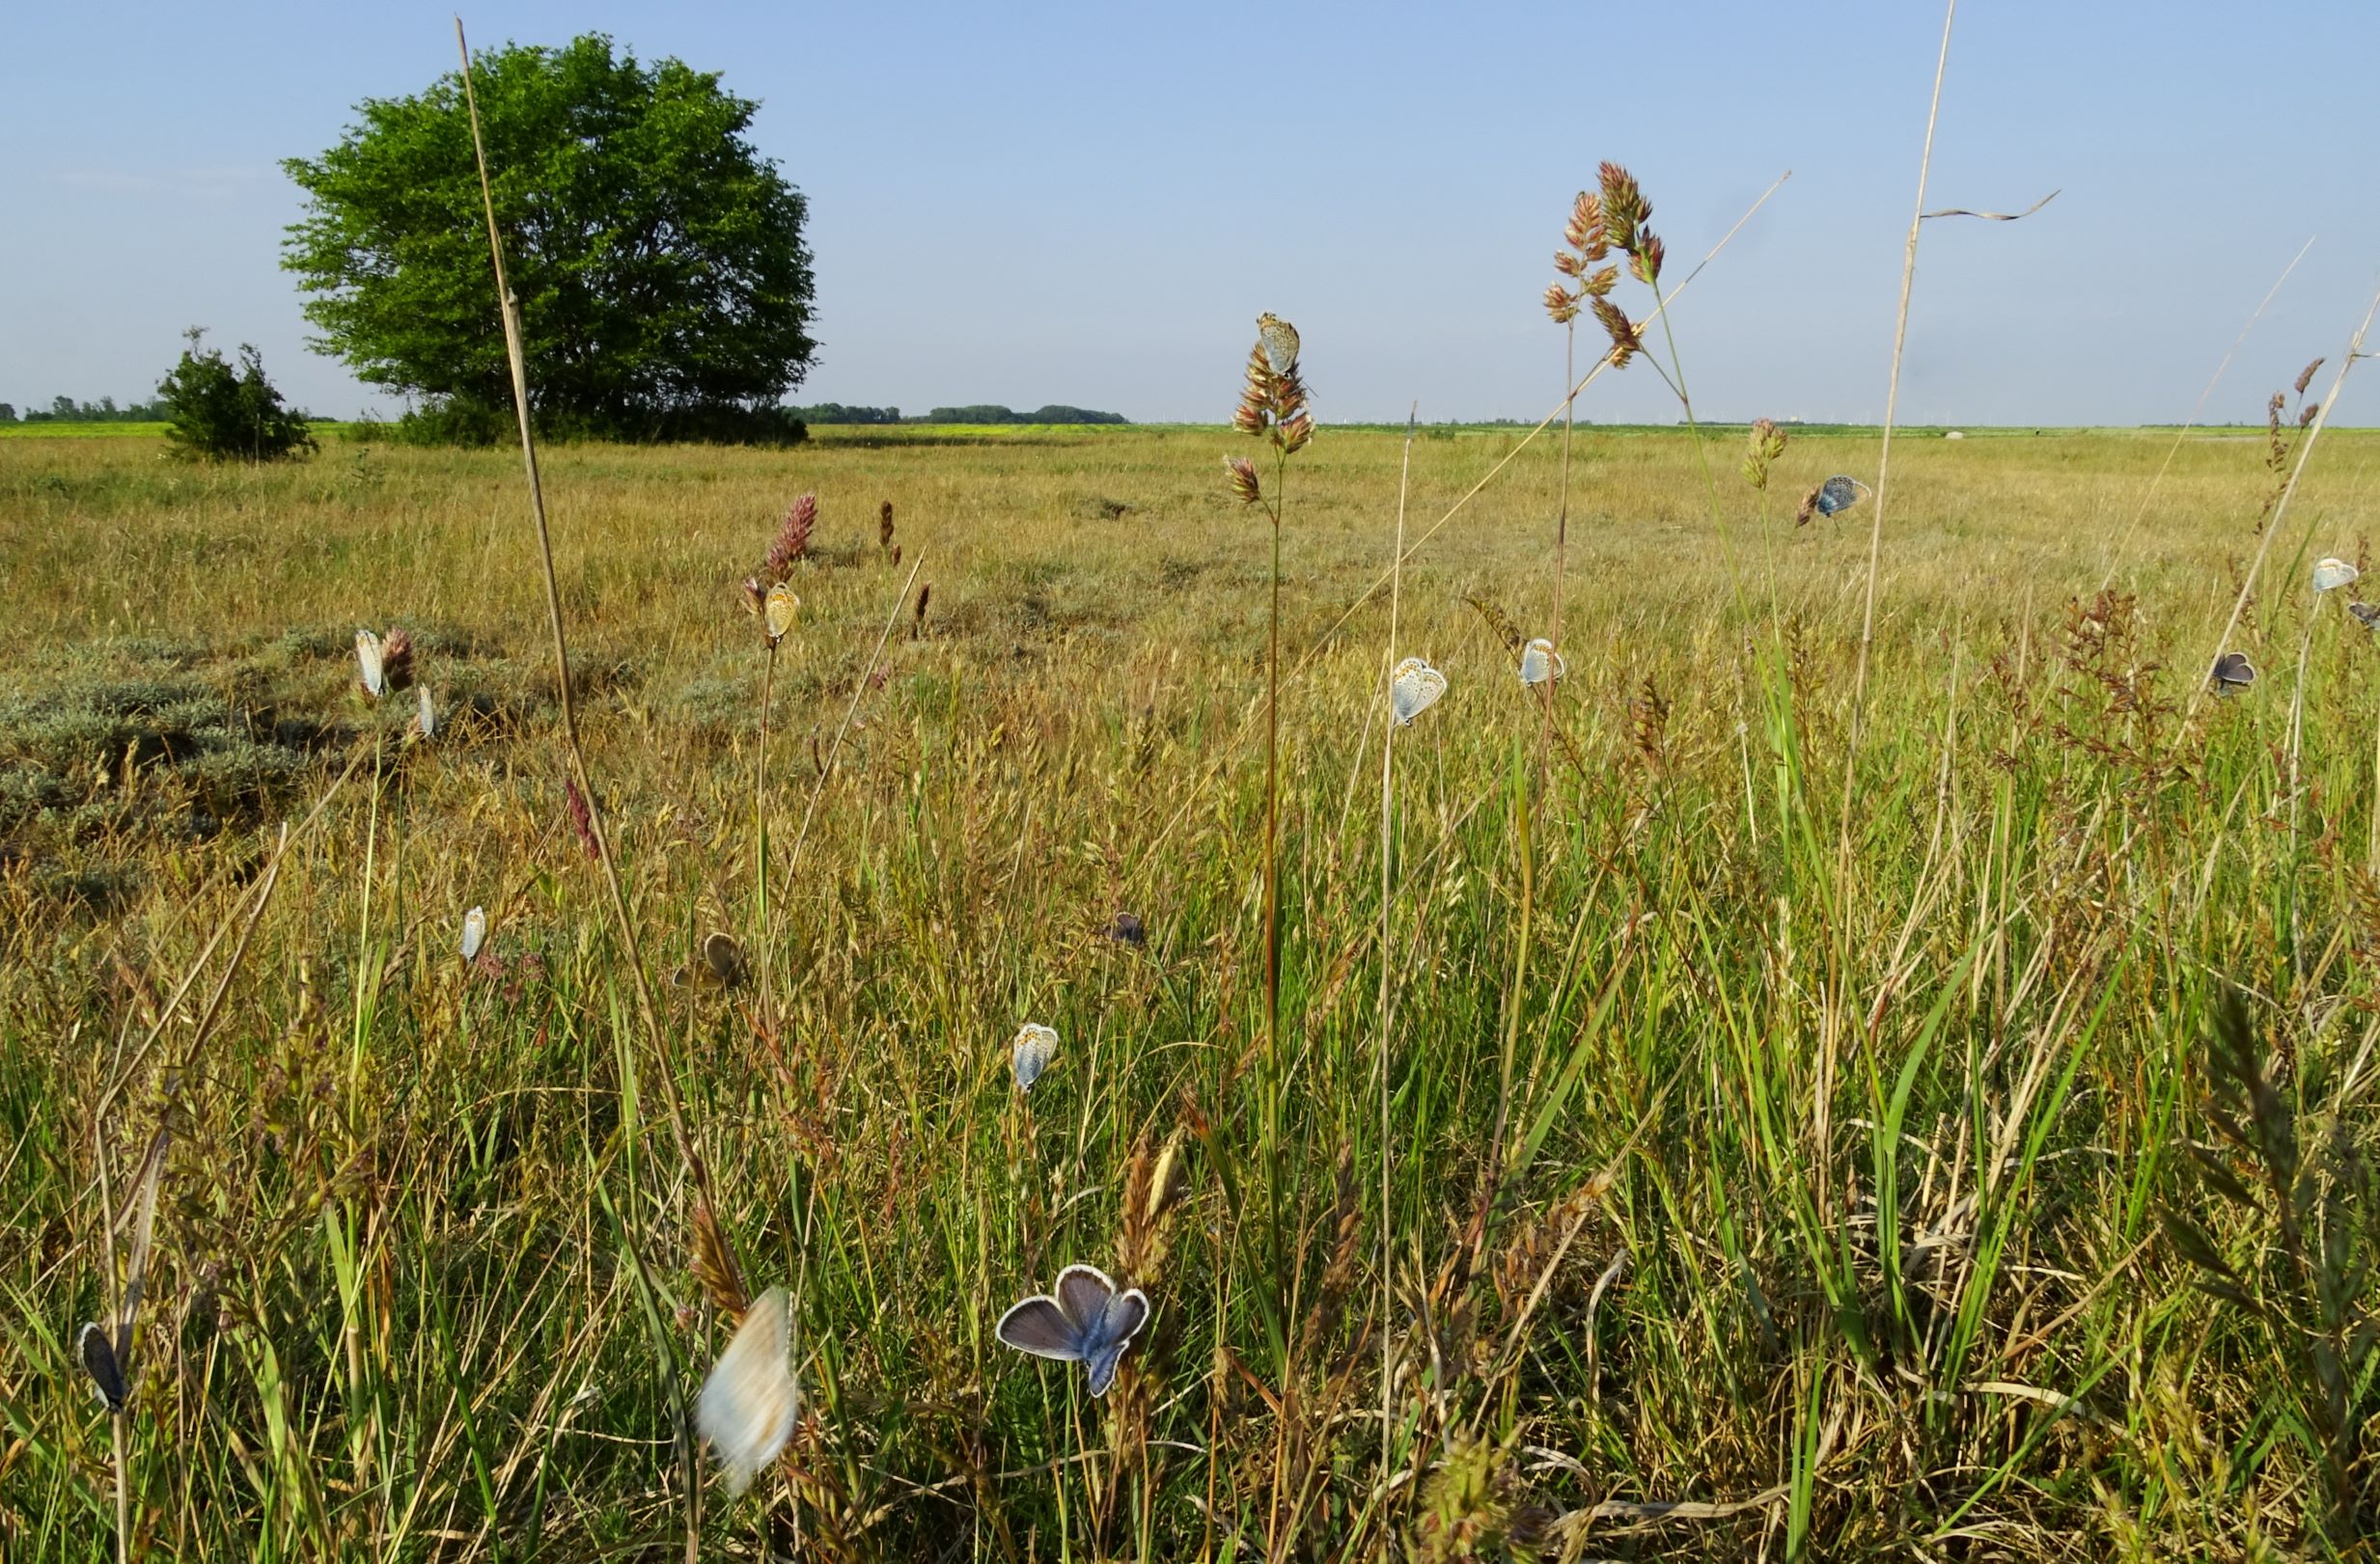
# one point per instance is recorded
(1388, 903)
(624, 924)
(2288, 492)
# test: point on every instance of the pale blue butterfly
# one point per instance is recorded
(1082, 1320)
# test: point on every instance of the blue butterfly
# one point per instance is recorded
(1084, 1319)
(2233, 673)
(1838, 494)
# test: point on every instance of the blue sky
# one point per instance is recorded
(1091, 204)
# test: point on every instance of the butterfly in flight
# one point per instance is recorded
(748, 1403)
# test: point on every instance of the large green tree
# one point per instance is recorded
(658, 258)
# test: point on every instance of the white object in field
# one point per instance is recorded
(2329, 575)
(1539, 662)
(1036, 1045)
(1955, 434)
(1414, 688)
(368, 660)
(748, 1403)
(475, 932)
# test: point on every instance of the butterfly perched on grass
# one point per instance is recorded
(2233, 673)
(371, 663)
(1540, 662)
(1413, 689)
(748, 1403)
(474, 933)
(780, 611)
(1279, 339)
(1031, 1051)
(1083, 1320)
(2329, 575)
(1839, 493)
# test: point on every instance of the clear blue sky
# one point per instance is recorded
(1091, 204)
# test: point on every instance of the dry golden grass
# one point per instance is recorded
(1923, 1305)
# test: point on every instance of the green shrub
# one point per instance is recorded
(217, 411)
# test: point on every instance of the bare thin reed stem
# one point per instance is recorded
(760, 847)
(1388, 894)
(2117, 553)
(1831, 1040)
(509, 307)
(859, 688)
(2288, 492)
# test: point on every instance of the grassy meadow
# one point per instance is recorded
(1804, 1137)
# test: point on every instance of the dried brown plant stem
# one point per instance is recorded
(575, 753)
(760, 847)
(1388, 894)
(647, 1011)
(2115, 553)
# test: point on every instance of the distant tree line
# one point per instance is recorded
(982, 413)
(66, 410)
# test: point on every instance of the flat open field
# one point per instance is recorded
(1812, 1122)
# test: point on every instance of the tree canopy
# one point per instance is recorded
(658, 258)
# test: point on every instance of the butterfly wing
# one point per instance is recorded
(724, 958)
(1279, 339)
(99, 1356)
(1120, 1321)
(367, 661)
(475, 932)
(1029, 1056)
(1037, 1324)
(781, 610)
(748, 1403)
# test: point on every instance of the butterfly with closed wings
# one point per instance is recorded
(1030, 1053)
(1413, 689)
(1083, 1320)
(1540, 662)
(2233, 673)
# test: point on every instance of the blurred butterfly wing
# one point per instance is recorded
(475, 933)
(1040, 1326)
(99, 1358)
(428, 716)
(749, 1403)
(1837, 494)
(368, 659)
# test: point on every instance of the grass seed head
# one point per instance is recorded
(792, 540)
